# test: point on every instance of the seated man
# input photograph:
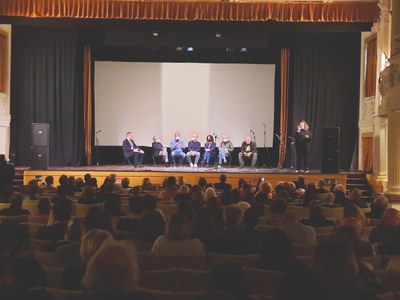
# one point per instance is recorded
(248, 150)
(225, 149)
(194, 147)
(177, 145)
(131, 149)
(159, 149)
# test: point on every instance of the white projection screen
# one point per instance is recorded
(163, 98)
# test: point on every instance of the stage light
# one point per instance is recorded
(189, 49)
(156, 33)
(243, 50)
(218, 34)
(179, 49)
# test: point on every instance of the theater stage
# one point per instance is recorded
(192, 175)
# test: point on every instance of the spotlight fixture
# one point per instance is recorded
(218, 34)
(179, 49)
(156, 33)
(243, 50)
(189, 49)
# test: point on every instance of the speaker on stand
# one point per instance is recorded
(40, 146)
(330, 150)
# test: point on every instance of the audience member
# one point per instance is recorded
(222, 185)
(352, 228)
(388, 233)
(355, 198)
(170, 189)
(298, 233)
(317, 219)
(310, 194)
(378, 207)
(15, 208)
(178, 238)
(44, 208)
(150, 226)
(87, 196)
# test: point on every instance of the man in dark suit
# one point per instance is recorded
(132, 150)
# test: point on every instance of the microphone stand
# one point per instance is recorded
(254, 137)
(266, 152)
(291, 151)
(216, 153)
(97, 149)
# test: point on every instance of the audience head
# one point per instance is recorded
(339, 187)
(222, 178)
(251, 218)
(136, 190)
(210, 193)
(353, 223)
(315, 209)
(92, 241)
(150, 226)
(87, 192)
(125, 183)
(278, 206)
(16, 200)
(49, 180)
(93, 182)
(335, 263)
(112, 270)
(226, 197)
(96, 219)
(289, 217)
(330, 198)
(276, 251)
(63, 180)
(146, 182)
(381, 201)
(320, 183)
(355, 194)
(202, 182)
(149, 202)
(136, 204)
(170, 183)
(178, 228)
(87, 177)
(62, 210)
(73, 232)
(184, 189)
(233, 217)
(243, 205)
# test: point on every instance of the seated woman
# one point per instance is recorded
(178, 239)
(209, 150)
(159, 149)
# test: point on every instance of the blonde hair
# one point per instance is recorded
(210, 193)
(306, 127)
(113, 269)
(92, 241)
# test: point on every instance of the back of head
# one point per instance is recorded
(320, 183)
(381, 201)
(391, 217)
(73, 232)
(150, 226)
(170, 182)
(92, 241)
(149, 202)
(49, 180)
(355, 194)
(289, 217)
(112, 270)
(330, 198)
(43, 206)
(136, 204)
(125, 182)
(251, 218)
(210, 193)
(97, 219)
(16, 200)
(233, 217)
(202, 182)
(353, 223)
(244, 206)
(278, 206)
(87, 192)
(222, 178)
(335, 262)
(178, 228)
(226, 197)
(62, 210)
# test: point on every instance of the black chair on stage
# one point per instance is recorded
(126, 157)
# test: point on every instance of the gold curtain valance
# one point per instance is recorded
(192, 10)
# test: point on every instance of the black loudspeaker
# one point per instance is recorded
(40, 158)
(40, 134)
(330, 150)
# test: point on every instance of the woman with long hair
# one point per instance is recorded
(302, 138)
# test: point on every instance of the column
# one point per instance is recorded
(393, 184)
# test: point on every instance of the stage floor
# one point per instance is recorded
(192, 175)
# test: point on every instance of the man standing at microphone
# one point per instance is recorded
(302, 138)
(131, 149)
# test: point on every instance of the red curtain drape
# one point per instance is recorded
(185, 10)
(284, 105)
(370, 71)
(87, 90)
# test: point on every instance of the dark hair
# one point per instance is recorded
(210, 138)
(202, 181)
(170, 182)
(222, 178)
(150, 226)
(87, 178)
(251, 218)
(96, 219)
(278, 206)
(16, 200)
(226, 197)
(178, 228)
(149, 202)
(63, 180)
(49, 180)
(136, 204)
(62, 210)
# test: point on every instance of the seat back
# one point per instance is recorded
(158, 261)
(263, 281)
(163, 279)
(244, 261)
(54, 276)
(193, 280)
(82, 209)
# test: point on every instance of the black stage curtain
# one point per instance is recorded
(46, 87)
(325, 77)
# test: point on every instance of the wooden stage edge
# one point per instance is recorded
(192, 175)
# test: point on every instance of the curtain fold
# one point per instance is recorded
(46, 87)
(370, 71)
(350, 11)
(367, 153)
(87, 98)
(284, 106)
